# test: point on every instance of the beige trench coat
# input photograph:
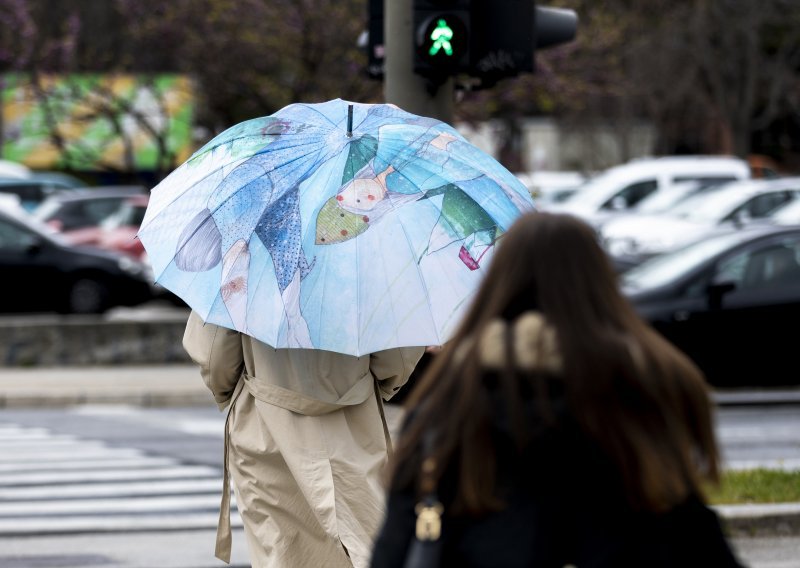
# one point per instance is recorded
(305, 443)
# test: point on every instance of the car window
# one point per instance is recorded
(710, 180)
(632, 194)
(664, 268)
(96, 210)
(762, 205)
(127, 215)
(777, 265)
(29, 194)
(732, 269)
(14, 238)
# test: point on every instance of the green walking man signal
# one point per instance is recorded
(441, 36)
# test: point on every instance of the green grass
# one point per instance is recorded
(756, 486)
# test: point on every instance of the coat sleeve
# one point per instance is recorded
(218, 351)
(393, 367)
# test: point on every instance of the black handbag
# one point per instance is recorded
(425, 550)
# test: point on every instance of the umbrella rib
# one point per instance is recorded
(229, 141)
(315, 110)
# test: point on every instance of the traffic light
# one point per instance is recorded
(441, 37)
(485, 39)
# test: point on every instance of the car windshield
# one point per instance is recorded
(127, 215)
(664, 268)
(710, 207)
(597, 190)
(36, 225)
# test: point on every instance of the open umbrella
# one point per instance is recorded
(338, 226)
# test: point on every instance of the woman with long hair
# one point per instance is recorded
(556, 427)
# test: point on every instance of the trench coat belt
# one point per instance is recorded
(224, 537)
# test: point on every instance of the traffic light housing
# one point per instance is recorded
(507, 34)
(376, 49)
(485, 39)
(441, 37)
(503, 42)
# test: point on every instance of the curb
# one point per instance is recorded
(756, 520)
(138, 385)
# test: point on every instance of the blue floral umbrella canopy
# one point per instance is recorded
(338, 226)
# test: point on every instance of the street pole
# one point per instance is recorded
(401, 85)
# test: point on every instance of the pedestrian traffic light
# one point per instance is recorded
(441, 37)
(485, 39)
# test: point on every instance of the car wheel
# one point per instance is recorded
(88, 296)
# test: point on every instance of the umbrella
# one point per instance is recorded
(338, 226)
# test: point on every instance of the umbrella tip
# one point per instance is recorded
(349, 121)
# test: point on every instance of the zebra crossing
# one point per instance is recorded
(53, 483)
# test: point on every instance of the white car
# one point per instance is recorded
(642, 236)
(622, 187)
(656, 203)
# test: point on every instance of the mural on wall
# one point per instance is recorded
(92, 122)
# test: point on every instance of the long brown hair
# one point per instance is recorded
(641, 400)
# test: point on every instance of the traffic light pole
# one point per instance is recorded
(402, 86)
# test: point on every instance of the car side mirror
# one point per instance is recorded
(717, 290)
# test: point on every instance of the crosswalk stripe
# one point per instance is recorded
(97, 506)
(99, 524)
(82, 453)
(44, 442)
(81, 490)
(60, 484)
(96, 464)
(36, 478)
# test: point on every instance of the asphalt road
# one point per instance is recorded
(118, 486)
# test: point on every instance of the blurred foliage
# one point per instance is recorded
(712, 75)
(757, 486)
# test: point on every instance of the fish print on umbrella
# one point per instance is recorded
(259, 230)
(369, 195)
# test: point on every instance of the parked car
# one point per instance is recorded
(657, 203)
(622, 187)
(73, 210)
(730, 302)
(33, 190)
(636, 238)
(43, 273)
(117, 232)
